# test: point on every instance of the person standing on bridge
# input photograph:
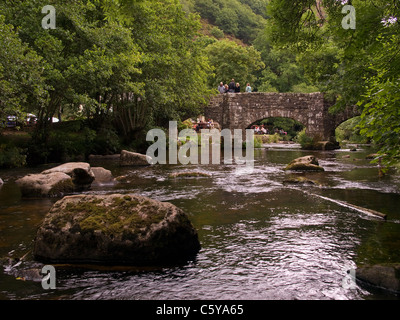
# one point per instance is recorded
(221, 88)
(237, 88)
(232, 86)
(248, 88)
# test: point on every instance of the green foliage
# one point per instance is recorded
(239, 18)
(304, 140)
(354, 66)
(67, 144)
(106, 141)
(380, 119)
(217, 33)
(304, 88)
(21, 81)
(135, 64)
(290, 126)
(258, 142)
(283, 73)
(271, 138)
(11, 156)
(349, 131)
(231, 60)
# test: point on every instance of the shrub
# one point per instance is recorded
(12, 157)
(305, 141)
(217, 33)
(106, 141)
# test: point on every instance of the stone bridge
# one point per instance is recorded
(241, 110)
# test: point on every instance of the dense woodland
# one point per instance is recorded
(121, 67)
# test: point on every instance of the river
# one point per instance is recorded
(261, 239)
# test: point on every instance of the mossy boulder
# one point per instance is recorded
(384, 276)
(53, 184)
(115, 229)
(307, 163)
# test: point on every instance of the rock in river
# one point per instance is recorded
(115, 229)
(129, 158)
(307, 163)
(102, 176)
(80, 172)
(384, 276)
(189, 174)
(300, 181)
(53, 184)
(56, 182)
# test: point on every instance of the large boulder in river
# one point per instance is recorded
(384, 276)
(54, 184)
(128, 158)
(307, 163)
(1, 182)
(115, 229)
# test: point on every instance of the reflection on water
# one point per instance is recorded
(260, 238)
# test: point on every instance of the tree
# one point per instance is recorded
(173, 66)
(231, 60)
(21, 74)
(381, 102)
(131, 63)
(357, 66)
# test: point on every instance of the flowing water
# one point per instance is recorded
(261, 238)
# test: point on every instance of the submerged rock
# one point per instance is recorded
(303, 181)
(189, 174)
(128, 158)
(307, 163)
(384, 276)
(54, 184)
(372, 156)
(326, 145)
(115, 229)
